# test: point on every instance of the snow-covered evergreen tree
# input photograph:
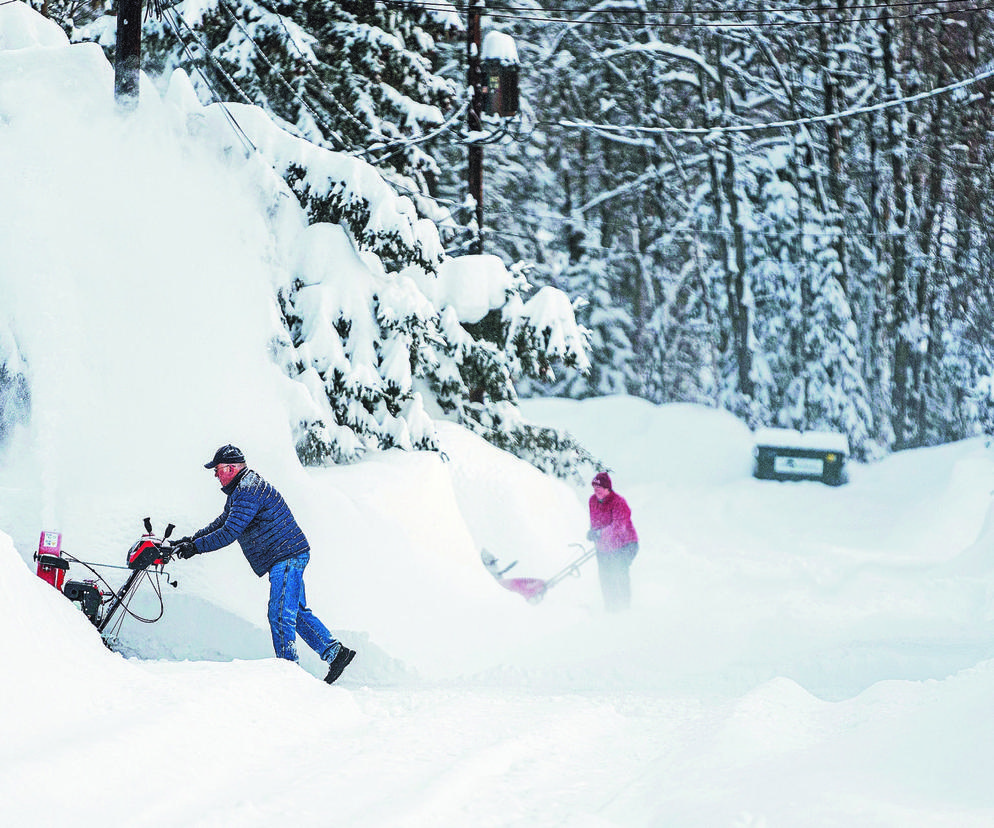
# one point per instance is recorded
(373, 322)
(808, 367)
(358, 77)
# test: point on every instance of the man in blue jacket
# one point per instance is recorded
(258, 518)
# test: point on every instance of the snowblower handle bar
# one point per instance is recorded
(165, 535)
(148, 552)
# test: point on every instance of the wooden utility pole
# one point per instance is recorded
(473, 44)
(127, 56)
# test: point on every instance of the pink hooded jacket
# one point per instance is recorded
(613, 517)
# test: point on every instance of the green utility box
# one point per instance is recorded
(786, 454)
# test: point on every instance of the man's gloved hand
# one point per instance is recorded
(184, 549)
(593, 534)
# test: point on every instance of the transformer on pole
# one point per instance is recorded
(499, 59)
(493, 78)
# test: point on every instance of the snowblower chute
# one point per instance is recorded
(52, 567)
(533, 589)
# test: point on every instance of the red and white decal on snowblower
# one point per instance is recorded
(98, 600)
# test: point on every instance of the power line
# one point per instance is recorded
(814, 119)
(396, 146)
(688, 236)
(535, 16)
(278, 74)
(440, 5)
(390, 146)
(207, 54)
(445, 204)
(737, 26)
(243, 136)
(324, 88)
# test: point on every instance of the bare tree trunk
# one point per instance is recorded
(735, 267)
(930, 243)
(833, 134)
(714, 174)
(737, 277)
(900, 301)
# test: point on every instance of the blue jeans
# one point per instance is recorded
(289, 615)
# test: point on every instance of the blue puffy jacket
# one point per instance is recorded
(258, 518)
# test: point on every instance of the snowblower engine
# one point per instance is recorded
(88, 597)
(95, 597)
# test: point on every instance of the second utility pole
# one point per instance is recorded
(127, 58)
(473, 45)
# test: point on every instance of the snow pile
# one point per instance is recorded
(470, 285)
(796, 654)
(812, 440)
(500, 47)
(25, 29)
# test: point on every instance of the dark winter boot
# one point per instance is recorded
(339, 663)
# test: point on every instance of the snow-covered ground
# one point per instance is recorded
(796, 655)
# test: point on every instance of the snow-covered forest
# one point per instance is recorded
(783, 213)
(833, 271)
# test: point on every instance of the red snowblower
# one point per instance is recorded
(533, 589)
(98, 600)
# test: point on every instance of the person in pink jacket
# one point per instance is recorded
(617, 542)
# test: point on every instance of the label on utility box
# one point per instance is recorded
(798, 465)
